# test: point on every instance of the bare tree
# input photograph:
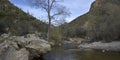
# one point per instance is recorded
(53, 10)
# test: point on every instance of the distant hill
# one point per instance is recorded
(17, 22)
(102, 22)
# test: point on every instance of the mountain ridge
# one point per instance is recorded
(100, 23)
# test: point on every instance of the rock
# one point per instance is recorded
(74, 40)
(22, 47)
(6, 54)
(8, 51)
(37, 47)
(13, 54)
(3, 37)
(22, 54)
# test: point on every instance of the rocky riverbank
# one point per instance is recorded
(111, 46)
(22, 47)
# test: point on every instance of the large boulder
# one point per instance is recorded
(22, 47)
(13, 54)
(9, 52)
(38, 47)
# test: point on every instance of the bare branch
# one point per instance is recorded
(61, 11)
(53, 1)
(52, 8)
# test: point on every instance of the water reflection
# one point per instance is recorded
(74, 54)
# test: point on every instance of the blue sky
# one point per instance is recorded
(76, 7)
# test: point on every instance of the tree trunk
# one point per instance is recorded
(49, 28)
(49, 18)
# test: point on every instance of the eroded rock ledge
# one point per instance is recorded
(22, 47)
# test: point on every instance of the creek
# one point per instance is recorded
(79, 54)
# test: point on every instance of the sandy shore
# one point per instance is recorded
(112, 46)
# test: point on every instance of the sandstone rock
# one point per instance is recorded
(37, 47)
(8, 51)
(13, 54)
(22, 54)
(6, 54)
(3, 37)
(22, 47)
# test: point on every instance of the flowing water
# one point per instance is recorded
(77, 54)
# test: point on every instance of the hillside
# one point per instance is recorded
(102, 22)
(13, 20)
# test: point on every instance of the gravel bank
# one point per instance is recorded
(112, 46)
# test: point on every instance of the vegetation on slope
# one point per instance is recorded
(13, 20)
(102, 22)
